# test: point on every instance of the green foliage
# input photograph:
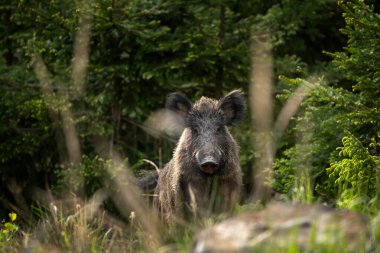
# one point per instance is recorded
(360, 61)
(27, 147)
(8, 230)
(355, 176)
(299, 29)
(316, 134)
(92, 174)
(346, 102)
(139, 51)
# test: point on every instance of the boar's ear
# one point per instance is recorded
(233, 107)
(178, 103)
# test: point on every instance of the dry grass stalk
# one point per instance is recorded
(129, 201)
(261, 104)
(81, 49)
(64, 114)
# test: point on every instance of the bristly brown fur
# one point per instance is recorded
(204, 174)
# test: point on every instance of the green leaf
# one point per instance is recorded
(13, 216)
(11, 227)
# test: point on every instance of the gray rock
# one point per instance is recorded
(280, 226)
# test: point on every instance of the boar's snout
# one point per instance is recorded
(209, 162)
(209, 166)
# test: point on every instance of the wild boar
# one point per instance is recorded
(204, 174)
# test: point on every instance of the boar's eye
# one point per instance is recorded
(194, 131)
(218, 129)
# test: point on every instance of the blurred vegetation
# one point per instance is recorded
(8, 230)
(338, 127)
(140, 50)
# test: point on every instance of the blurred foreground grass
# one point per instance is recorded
(84, 229)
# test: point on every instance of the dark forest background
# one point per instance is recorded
(140, 50)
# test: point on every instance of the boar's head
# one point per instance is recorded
(208, 141)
